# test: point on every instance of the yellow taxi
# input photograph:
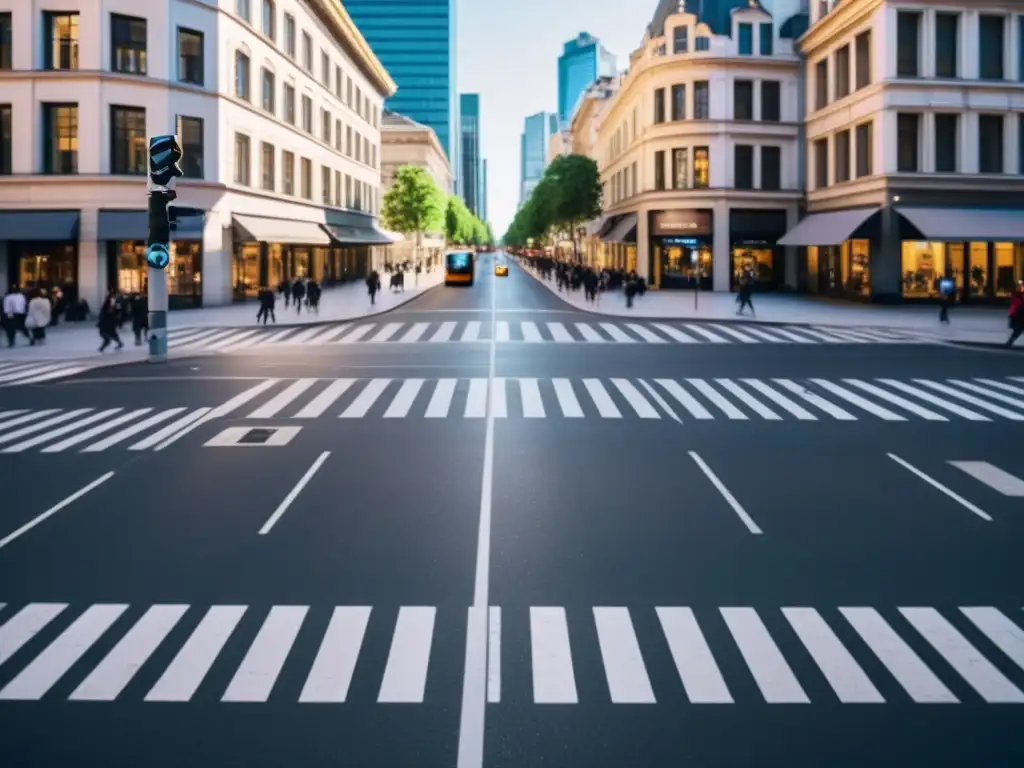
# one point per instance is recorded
(501, 270)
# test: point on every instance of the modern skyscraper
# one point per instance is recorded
(472, 163)
(415, 41)
(537, 131)
(483, 190)
(583, 60)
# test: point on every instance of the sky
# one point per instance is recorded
(508, 53)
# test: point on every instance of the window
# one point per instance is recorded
(244, 10)
(991, 46)
(702, 43)
(767, 34)
(307, 114)
(659, 169)
(348, 99)
(842, 151)
(680, 169)
(701, 167)
(325, 126)
(243, 160)
(288, 97)
(61, 41)
(128, 146)
(743, 100)
(947, 132)
(680, 40)
(6, 141)
(1020, 143)
(821, 84)
(862, 50)
(60, 138)
(306, 178)
(127, 45)
(190, 136)
(947, 44)
(746, 39)
(348, 191)
(268, 91)
(843, 72)
(269, 21)
(241, 75)
(820, 163)
(743, 166)
(338, 78)
(659, 105)
(5, 40)
(190, 56)
(865, 150)
(771, 101)
(325, 185)
(325, 69)
(337, 135)
(288, 173)
(348, 140)
(908, 43)
(267, 157)
(701, 100)
(771, 168)
(338, 188)
(289, 35)
(307, 52)
(678, 102)
(990, 144)
(908, 142)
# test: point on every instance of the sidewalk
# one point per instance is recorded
(80, 341)
(968, 325)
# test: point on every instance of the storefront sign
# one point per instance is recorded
(686, 242)
(668, 223)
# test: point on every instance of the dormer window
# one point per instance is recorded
(702, 43)
(680, 40)
(746, 39)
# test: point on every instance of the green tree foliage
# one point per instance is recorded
(414, 204)
(461, 227)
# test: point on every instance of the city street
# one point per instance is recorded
(487, 529)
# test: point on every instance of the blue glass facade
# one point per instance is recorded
(469, 152)
(537, 132)
(415, 41)
(583, 60)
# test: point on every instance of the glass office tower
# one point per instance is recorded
(537, 132)
(583, 61)
(415, 41)
(469, 152)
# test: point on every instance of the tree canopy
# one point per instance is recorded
(414, 204)
(568, 194)
(461, 227)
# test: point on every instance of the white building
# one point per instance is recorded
(276, 104)
(915, 148)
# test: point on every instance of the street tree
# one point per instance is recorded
(413, 205)
(576, 194)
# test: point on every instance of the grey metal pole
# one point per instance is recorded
(157, 291)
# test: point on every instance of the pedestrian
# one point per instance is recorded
(947, 295)
(1016, 314)
(744, 297)
(14, 309)
(298, 294)
(108, 324)
(140, 317)
(373, 285)
(38, 317)
(266, 310)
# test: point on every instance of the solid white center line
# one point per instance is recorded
(940, 487)
(54, 509)
(294, 493)
(741, 513)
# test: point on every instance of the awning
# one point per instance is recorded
(622, 230)
(285, 231)
(831, 228)
(134, 225)
(966, 224)
(595, 227)
(350, 235)
(51, 226)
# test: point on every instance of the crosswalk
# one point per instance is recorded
(542, 655)
(16, 374)
(472, 331)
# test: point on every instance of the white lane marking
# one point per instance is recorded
(335, 663)
(970, 399)
(406, 396)
(741, 513)
(644, 333)
(854, 399)
(694, 406)
(816, 400)
(293, 494)
(444, 332)
(788, 334)
(533, 405)
(319, 404)
(441, 400)
(530, 331)
(186, 672)
(1003, 633)
(476, 399)
(675, 334)
(472, 331)
(499, 399)
(849, 681)
(502, 332)
(980, 673)
(660, 401)
(60, 373)
(41, 425)
(902, 402)
(940, 487)
(588, 333)
(405, 676)
(59, 432)
(254, 680)
(357, 333)
(329, 334)
(169, 430)
(559, 332)
(74, 440)
(781, 400)
(494, 655)
(995, 478)
(636, 400)
(617, 334)
(709, 335)
(112, 675)
(26, 624)
(27, 418)
(938, 402)
(765, 661)
(233, 340)
(225, 409)
(567, 399)
(624, 668)
(32, 683)
(553, 678)
(695, 663)
(746, 398)
(54, 509)
(764, 335)
(1001, 385)
(414, 333)
(32, 371)
(385, 333)
(283, 399)
(364, 400)
(1016, 402)
(746, 338)
(603, 401)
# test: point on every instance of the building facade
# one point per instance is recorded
(583, 61)
(483, 190)
(698, 149)
(915, 149)
(533, 149)
(276, 106)
(560, 143)
(469, 152)
(415, 41)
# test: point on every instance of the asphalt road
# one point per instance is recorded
(508, 554)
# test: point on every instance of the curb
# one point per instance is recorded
(985, 345)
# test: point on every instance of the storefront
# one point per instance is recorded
(122, 236)
(837, 251)
(354, 238)
(268, 252)
(681, 249)
(619, 239)
(754, 248)
(41, 249)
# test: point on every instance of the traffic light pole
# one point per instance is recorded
(156, 286)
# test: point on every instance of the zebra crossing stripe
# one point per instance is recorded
(74, 440)
(693, 658)
(403, 401)
(763, 658)
(405, 676)
(25, 625)
(265, 659)
(553, 678)
(335, 663)
(319, 404)
(623, 662)
(48, 435)
(1003, 633)
(414, 333)
(567, 401)
(976, 402)
(124, 434)
(441, 400)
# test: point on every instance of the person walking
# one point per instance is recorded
(109, 323)
(38, 317)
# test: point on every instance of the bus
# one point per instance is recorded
(459, 268)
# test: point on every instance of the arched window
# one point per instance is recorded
(269, 19)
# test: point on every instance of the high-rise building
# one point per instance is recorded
(483, 190)
(533, 147)
(415, 41)
(583, 61)
(469, 152)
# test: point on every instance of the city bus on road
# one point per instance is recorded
(459, 268)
